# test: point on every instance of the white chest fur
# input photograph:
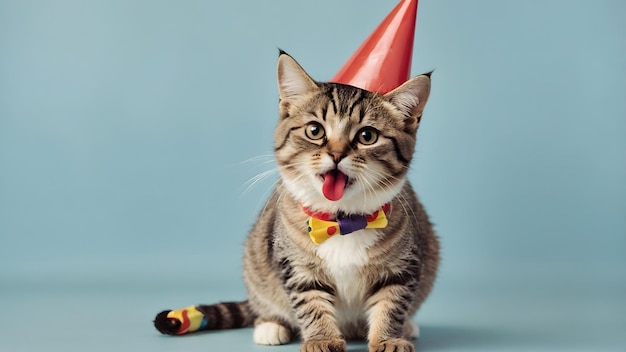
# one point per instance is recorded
(344, 257)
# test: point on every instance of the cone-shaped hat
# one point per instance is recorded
(383, 61)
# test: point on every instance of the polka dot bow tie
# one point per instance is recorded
(321, 227)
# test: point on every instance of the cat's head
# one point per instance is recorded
(341, 148)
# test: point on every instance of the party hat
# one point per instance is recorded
(383, 61)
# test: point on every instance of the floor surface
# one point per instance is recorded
(556, 309)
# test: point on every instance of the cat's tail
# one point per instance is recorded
(229, 315)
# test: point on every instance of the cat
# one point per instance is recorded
(343, 154)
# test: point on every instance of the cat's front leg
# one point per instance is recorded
(313, 306)
(387, 318)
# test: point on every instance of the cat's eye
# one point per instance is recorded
(367, 136)
(314, 131)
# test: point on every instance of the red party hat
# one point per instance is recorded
(383, 61)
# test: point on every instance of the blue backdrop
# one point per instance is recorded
(128, 131)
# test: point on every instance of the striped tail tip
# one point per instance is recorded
(228, 315)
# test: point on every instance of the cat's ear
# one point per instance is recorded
(410, 99)
(293, 81)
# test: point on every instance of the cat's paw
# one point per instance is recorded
(269, 333)
(331, 345)
(392, 345)
(411, 330)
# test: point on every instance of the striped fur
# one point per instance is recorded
(364, 285)
(227, 315)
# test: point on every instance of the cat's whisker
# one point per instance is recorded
(271, 189)
(405, 205)
(401, 197)
(389, 187)
(383, 180)
(268, 159)
(361, 181)
(383, 175)
(296, 163)
(257, 178)
(370, 187)
(270, 198)
(248, 185)
(252, 182)
(283, 192)
(386, 187)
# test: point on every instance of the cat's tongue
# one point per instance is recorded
(334, 184)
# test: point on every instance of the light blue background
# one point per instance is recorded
(125, 127)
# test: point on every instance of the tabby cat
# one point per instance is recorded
(343, 154)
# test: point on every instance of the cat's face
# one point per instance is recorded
(340, 148)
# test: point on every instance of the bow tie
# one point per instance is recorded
(321, 228)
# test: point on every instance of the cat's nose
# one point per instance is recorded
(337, 155)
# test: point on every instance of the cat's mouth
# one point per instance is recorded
(334, 183)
